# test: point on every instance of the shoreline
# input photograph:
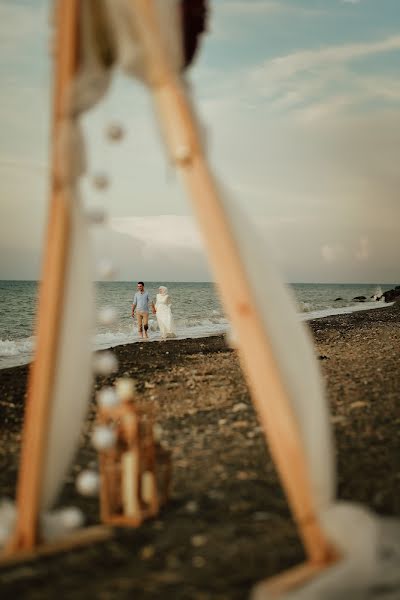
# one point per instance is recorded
(225, 488)
(303, 316)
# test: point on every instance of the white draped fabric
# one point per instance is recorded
(71, 390)
(164, 316)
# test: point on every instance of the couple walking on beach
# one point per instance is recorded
(162, 309)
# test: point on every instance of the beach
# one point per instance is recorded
(227, 525)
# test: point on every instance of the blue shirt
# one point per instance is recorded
(141, 301)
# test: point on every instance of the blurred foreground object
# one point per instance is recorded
(135, 471)
(346, 547)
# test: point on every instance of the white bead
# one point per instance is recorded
(107, 315)
(107, 397)
(72, 517)
(126, 388)
(106, 269)
(105, 363)
(103, 438)
(115, 132)
(87, 483)
(58, 523)
(95, 215)
(100, 181)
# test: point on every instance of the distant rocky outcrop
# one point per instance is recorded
(337, 299)
(359, 299)
(392, 295)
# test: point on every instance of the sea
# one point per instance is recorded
(196, 309)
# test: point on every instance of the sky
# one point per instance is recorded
(300, 104)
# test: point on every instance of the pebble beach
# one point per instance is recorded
(227, 525)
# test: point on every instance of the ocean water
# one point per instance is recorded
(196, 309)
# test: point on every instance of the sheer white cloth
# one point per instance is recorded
(164, 315)
(370, 565)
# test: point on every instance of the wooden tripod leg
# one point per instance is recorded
(50, 300)
(257, 356)
(82, 537)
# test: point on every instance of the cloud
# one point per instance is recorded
(164, 248)
(161, 232)
(339, 251)
(314, 83)
(284, 67)
(264, 7)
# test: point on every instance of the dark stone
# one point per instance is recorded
(337, 299)
(392, 295)
(360, 298)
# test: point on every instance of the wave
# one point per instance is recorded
(343, 310)
(186, 327)
(17, 352)
(16, 347)
(378, 293)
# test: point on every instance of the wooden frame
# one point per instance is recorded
(26, 543)
(82, 537)
(257, 358)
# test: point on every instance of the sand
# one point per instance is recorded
(227, 525)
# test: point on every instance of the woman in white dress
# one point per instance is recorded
(164, 314)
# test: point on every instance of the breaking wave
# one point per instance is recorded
(20, 351)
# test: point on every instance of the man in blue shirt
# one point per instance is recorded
(141, 303)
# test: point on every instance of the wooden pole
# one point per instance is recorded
(82, 537)
(41, 376)
(256, 354)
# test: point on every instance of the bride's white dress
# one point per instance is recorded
(164, 316)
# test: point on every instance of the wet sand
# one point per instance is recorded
(227, 525)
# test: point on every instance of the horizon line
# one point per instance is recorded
(149, 281)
